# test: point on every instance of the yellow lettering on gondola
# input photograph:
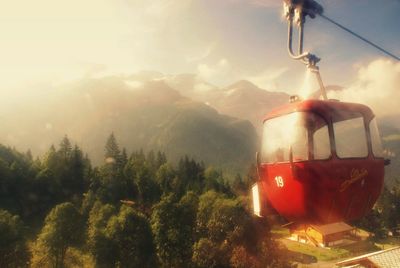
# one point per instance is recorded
(355, 175)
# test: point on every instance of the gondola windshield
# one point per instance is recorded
(304, 137)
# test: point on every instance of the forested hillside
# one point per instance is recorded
(148, 115)
(134, 210)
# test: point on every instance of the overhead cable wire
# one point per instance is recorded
(360, 37)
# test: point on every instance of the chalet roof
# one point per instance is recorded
(389, 258)
(332, 228)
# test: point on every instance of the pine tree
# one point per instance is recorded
(161, 159)
(65, 148)
(50, 158)
(151, 160)
(191, 176)
(29, 155)
(77, 172)
(124, 158)
(148, 189)
(112, 152)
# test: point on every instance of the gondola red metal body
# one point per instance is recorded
(320, 162)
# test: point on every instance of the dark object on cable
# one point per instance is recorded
(312, 8)
(309, 7)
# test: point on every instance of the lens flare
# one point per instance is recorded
(309, 86)
(305, 88)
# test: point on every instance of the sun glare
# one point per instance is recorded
(309, 86)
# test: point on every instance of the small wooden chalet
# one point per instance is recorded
(323, 235)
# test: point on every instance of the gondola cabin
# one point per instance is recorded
(320, 162)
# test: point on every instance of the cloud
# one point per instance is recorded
(201, 55)
(377, 85)
(93, 69)
(214, 72)
(134, 84)
(50, 40)
(268, 79)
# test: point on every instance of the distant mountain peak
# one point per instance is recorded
(243, 84)
(160, 91)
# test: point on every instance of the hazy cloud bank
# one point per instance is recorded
(377, 85)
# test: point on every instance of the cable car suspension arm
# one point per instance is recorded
(299, 9)
(295, 12)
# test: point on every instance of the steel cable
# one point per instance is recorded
(360, 37)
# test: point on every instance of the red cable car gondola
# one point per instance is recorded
(320, 162)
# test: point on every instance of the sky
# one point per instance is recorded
(222, 41)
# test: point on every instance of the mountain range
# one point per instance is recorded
(179, 115)
(149, 116)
